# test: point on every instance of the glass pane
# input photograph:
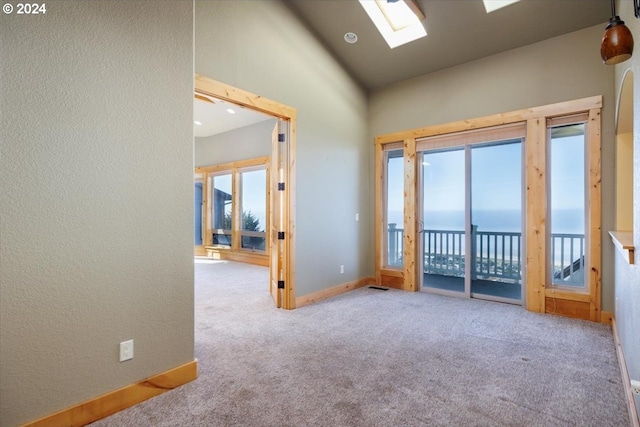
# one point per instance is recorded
(221, 206)
(567, 205)
(395, 207)
(197, 211)
(443, 217)
(496, 220)
(254, 210)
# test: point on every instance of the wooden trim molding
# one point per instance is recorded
(623, 240)
(207, 86)
(536, 212)
(334, 291)
(117, 400)
(606, 317)
(410, 252)
(584, 303)
(552, 110)
(594, 213)
(229, 167)
(626, 383)
(238, 256)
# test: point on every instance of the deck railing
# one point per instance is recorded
(568, 259)
(496, 255)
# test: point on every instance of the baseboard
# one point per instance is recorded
(117, 400)
(332, 292)
(606, 317)
(626, 383)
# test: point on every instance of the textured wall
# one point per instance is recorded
(556, 70)
(627, 277)
(97, 200)
(239, 144)
(261, 47)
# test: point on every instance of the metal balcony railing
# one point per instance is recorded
(496, 255)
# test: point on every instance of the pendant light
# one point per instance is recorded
(617, 42)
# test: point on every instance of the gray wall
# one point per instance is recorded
(239, 144)
(97, 200)
(275, 56)
(627, 277)
(556, 70)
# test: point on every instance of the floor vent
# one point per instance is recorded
(380, 288)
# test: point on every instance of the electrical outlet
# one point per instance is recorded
(635, 386)
(342, 269)
(357, 217)
(126, 350)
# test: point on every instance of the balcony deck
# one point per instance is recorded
(491, 288)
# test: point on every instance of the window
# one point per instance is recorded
(557, 263)
(394, 211)
(254, 209)
(197, 211)
(235, 210)
(567, 209)
(221, 209)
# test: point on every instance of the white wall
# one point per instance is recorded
(97, 209)
(556, 70)
(261, 47)
(239, 144)
(627, 277)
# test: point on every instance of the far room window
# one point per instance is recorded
(254, 209)
(222, 209)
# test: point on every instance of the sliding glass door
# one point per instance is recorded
(471, 217)
(496, 220)
(443, 220)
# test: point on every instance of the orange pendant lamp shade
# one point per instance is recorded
(617, 42)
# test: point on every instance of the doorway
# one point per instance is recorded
(281, 187)
(471, 220)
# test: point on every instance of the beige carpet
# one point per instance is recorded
(384, 358)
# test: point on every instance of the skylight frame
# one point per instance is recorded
(493, 5)
(395, 34)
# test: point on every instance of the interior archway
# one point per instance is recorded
(624, 155)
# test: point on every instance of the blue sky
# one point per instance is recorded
(253, 192)
(496, 178)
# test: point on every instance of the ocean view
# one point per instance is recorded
(569, 221)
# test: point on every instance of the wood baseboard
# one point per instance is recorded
(246, 257)
(626, 383)
(117, 400)
(606, 317)
(332, 292)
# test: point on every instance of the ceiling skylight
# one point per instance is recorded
(399, 21)
(493, 5)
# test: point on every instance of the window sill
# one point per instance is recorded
(623, 240)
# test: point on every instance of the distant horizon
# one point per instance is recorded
(569, 221)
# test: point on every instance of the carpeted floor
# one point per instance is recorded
(384, 358)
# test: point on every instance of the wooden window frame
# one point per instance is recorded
(539, 296)
(235, 252)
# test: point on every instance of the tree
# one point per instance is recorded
(249, 223)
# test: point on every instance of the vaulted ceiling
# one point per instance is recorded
(458, 31)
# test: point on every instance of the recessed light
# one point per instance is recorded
(350, 37)
(197, 123)
(230, 111)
